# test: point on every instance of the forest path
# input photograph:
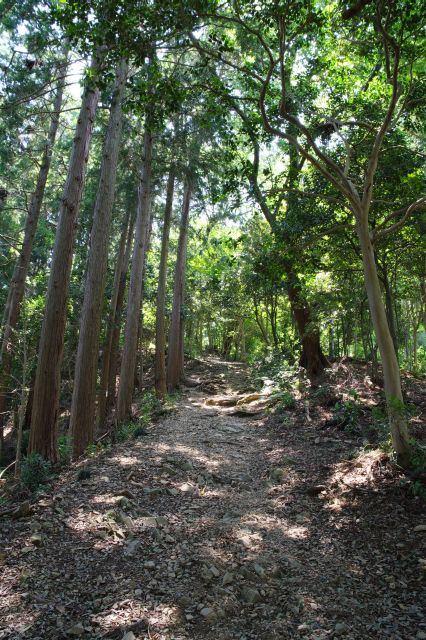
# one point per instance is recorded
(214, 526)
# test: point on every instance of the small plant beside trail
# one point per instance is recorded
(35, 471)
(348, 413)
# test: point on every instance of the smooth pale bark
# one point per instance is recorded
(116, 304)
(143, 216)
(391, 373)
(175, 354)
(82, 421)
(160, 328)
(43, 433)
(17, 283)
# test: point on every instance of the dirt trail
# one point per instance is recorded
(218, 527)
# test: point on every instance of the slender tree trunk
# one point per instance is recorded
(43, 434)
(115, 340)
(122, 261)
(160, 329)
(242, 337)
(139, 365)
(82, 422)
(391, 373)
(260, 323)
(390, 307)
(17, 283)
(143, 216)
(175, 348)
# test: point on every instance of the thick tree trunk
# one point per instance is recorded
(175, 357)
(312, 357)
(143, 216)
(391, 373)
(43, 434)
(116, 305)
(160, 329)
(17, 283)
(82, 421)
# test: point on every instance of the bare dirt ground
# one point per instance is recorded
(218, 526)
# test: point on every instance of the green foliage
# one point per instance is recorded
(125, 431)
(286, 401)
(418, 467)
(276, 369)
(348, 413)
(34, 471)
(64, 449)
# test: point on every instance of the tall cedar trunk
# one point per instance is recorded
(139, 365)
(115, 343)
(43, 433)
(391, 373)
(17, 283)
(82, 421)
(128, 363)
(175, 347)
(160, 329)
(116, 304)
(312, 357)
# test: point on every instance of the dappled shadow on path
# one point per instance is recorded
(215, 527)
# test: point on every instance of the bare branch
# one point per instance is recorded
(382, 233)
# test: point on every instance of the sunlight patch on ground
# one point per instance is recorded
(105, 499)
(190, 452)
(125, 460)
(296, 532)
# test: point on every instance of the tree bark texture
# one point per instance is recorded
(128, 362)
(391, 373)
(116, 305)
(43, 433)
(175, 359)
(82, 422)
(160, 329)
(17, 283)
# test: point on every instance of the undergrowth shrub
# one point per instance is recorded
(34, 471)
(348, 412)
(274, 367)
(64, 450)
(286, 400)
(418, 466)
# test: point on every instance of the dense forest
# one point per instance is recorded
(220, 204)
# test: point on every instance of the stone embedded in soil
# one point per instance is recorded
(186, 488)
(36, 539)
(131, 548)
(340, 629)
(76, 630)
(259, 570)
(228, 578)
(208, 614)
(251, 596)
